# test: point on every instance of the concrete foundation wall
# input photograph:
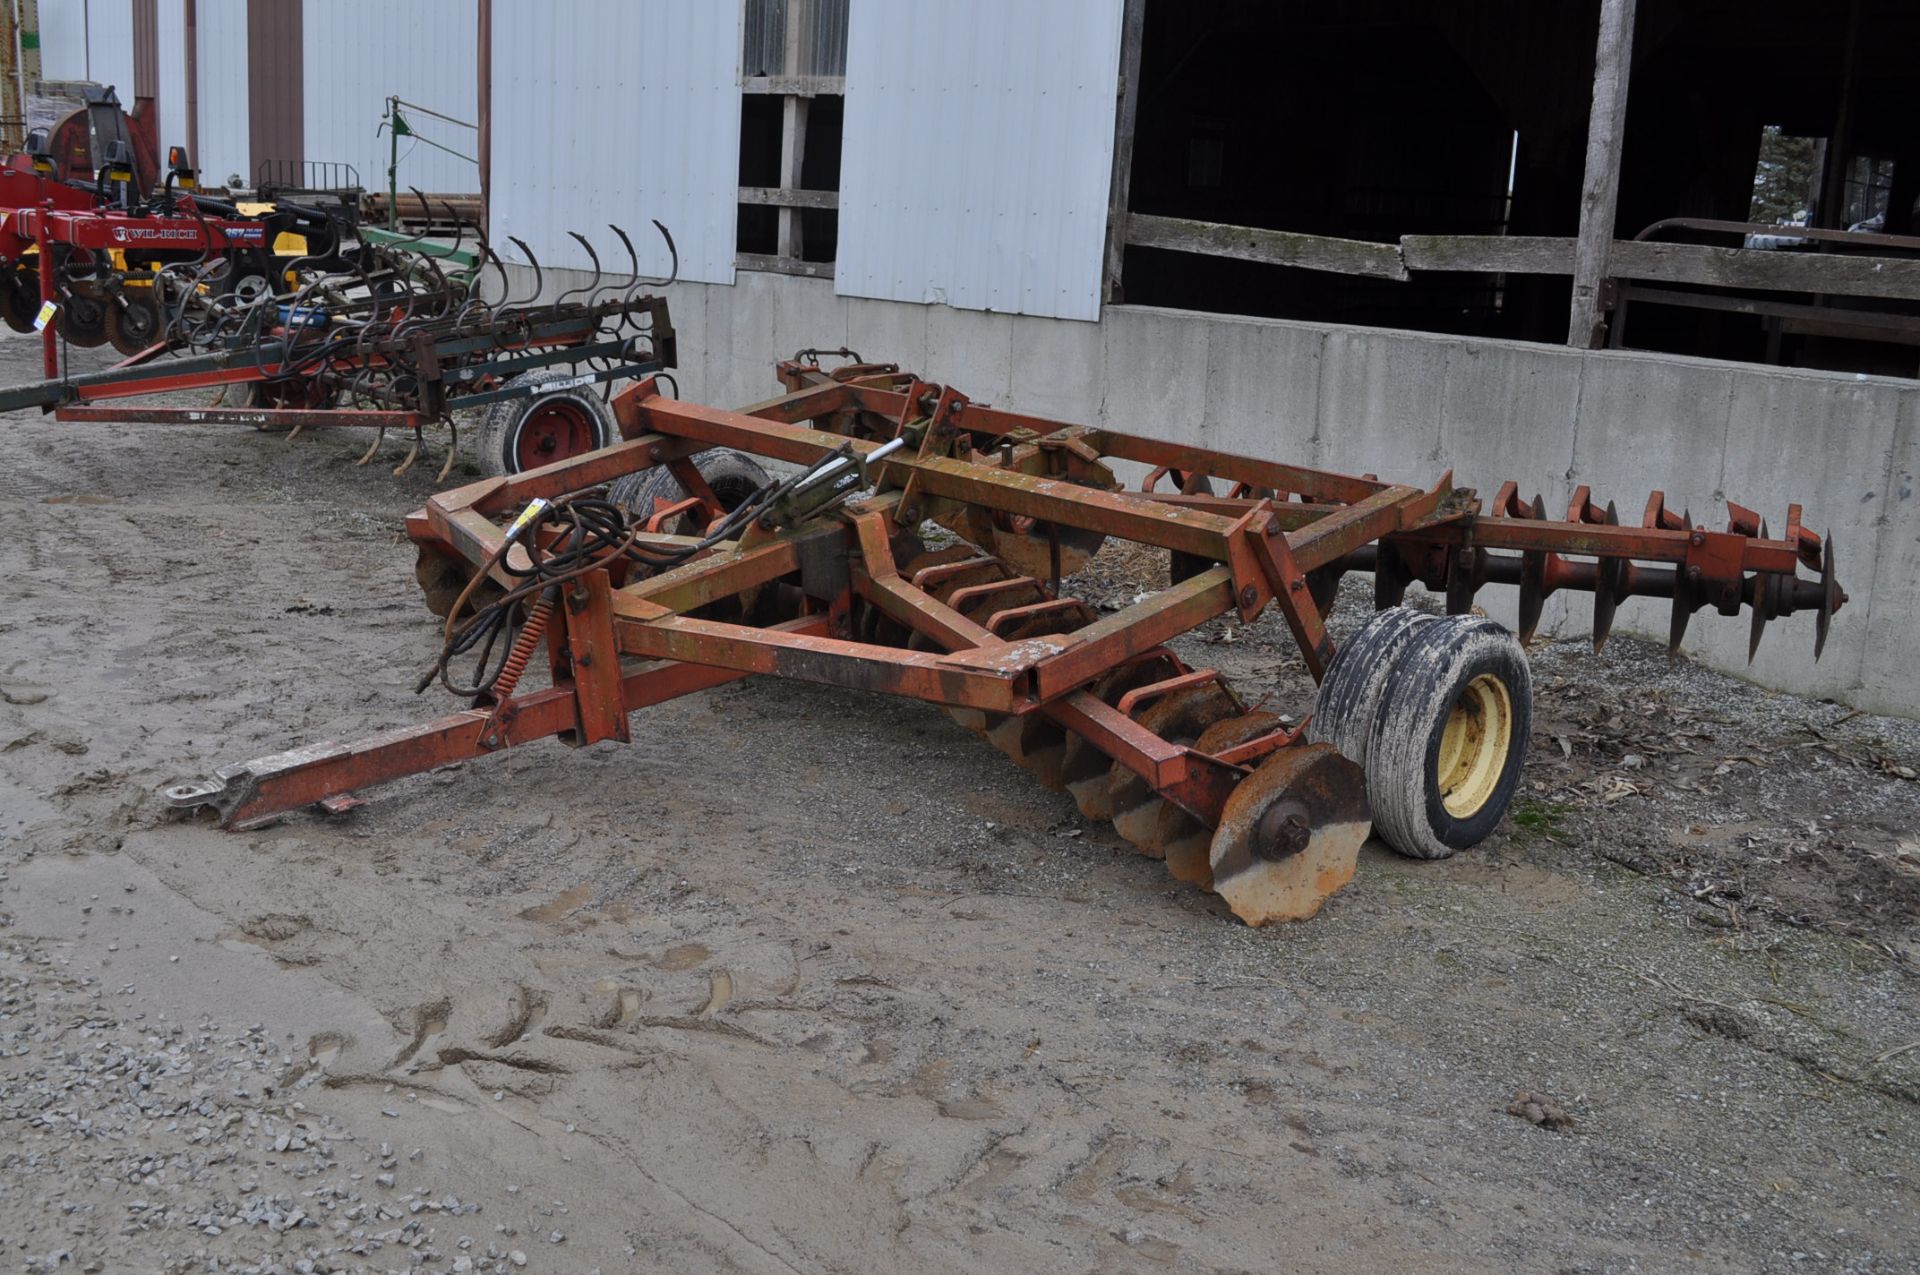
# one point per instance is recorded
(1409, 405)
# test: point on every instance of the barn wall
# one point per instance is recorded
(88, 40)
(63, 39)
(623, 113)
(172, 96)
(978, 153)
(433, 61)
(226, 135)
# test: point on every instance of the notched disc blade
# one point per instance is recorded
(1290, 834)
(1829, 597)
(1037, 743)
(1180, 716)
(1682, 613)
(1606, 599)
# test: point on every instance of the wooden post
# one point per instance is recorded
(191, 19)
(1132, 27)
(483, 92)
(793, 134)
(1831, 214)
(1600, 192)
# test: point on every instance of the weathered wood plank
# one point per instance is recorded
(1600, 189)
(782, 197)
(782, 265)
(795, 85)
(1133, 23)
(1832, 272)
(1271, 247)
(1492, 254)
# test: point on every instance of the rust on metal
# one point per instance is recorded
(839, 589)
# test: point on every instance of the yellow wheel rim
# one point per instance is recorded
(1474, 746)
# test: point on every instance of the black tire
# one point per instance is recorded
(137, 325)
(1356, 680)
(1449, 736)
(733, 475)
(518, 434)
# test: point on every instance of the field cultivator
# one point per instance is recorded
(359, 328)
(670, 562)
(89, 227)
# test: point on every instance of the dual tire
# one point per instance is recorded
(1437, 711)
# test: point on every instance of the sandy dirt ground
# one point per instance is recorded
(805, 980)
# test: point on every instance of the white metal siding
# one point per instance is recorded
(978, 153)
(110, 45)
(618, 111)
(225, 136)
(172, 88)
(357, 52)
(63, 39)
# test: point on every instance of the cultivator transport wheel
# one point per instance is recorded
(1437, 710)
(132, 321)
(518, 434)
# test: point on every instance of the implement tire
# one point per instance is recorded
(1449, 736)
(733, 475)
(518, 434)
(1357, 678)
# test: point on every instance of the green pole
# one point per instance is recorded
(393, 163)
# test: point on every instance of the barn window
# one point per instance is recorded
(793, 66)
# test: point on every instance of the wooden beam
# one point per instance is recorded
(782, 265)
(795, 85)
(780, 197)
(1600, 191)
(1132, 30)
(1858, 325)
(1842, 275)
(1490, 254)
(1271, 247)
(1753, 269)
(793, 141)
(1831, 212)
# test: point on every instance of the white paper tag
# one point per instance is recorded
(47, 310)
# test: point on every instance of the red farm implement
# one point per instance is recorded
(670, 562)
(357, 328)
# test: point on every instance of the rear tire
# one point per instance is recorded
(518, 434)
(1449, 736)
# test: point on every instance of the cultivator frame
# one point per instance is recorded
(387, 339)
(834, 588)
